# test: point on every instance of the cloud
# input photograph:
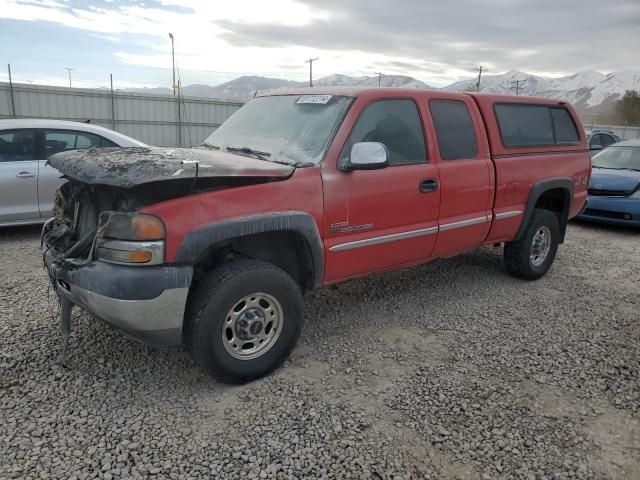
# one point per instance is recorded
(438, 42)
(543, 36)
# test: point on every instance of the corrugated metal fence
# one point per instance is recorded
(154, 119)
(624, 132)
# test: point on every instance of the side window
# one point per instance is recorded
(16, 145)
(454, 129)
(606, 140)
(396, 124)
(57, 141)
(531, 125)
(106, 143)
(524, 125)
(564, 126)
(595, 139)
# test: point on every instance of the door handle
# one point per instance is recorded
(428, 185)
(25, 175)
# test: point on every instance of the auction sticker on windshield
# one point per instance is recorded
(317, 99)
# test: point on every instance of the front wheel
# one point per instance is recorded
(531, 257)
(244, 319)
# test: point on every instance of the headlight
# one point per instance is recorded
(636, 194)
(130, 238)
(130, 226)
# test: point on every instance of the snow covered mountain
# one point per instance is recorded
(241, 89)
(583, 89)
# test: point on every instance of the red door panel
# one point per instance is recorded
(390, 222)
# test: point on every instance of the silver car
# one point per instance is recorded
(27, 184)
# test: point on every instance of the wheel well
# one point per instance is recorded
(287, 250)
(558, 201)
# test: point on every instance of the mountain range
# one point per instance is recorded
(583, 89)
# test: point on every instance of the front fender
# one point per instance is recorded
(194, 243)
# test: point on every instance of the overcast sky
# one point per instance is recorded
(217, 40)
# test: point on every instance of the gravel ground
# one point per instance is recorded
(452, 370)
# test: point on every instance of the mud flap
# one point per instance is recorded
(65, 327)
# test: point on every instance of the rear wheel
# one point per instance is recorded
(244, 319)
(531, 257)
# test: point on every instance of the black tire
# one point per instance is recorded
(517, 255)
(214, 298)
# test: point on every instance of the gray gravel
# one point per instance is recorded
(452, 370)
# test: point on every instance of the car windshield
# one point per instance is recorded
(619, 158)
(293, 129)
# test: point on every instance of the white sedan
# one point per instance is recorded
(27, 184)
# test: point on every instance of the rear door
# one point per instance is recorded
(56, 141)
(465, 171)
(18, 176)
(381, 219)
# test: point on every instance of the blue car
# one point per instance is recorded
(614, 191)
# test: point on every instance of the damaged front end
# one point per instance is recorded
(106, 258)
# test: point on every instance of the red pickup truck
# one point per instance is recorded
(213, 247)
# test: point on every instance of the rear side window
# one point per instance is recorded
(454, 129)
(565, 129)
(16, 145)
(535, 125)
(57, 141)
(396, 124)
(606, 140)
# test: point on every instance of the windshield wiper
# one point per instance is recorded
(210, 146)
(249, 151)
(263, 156)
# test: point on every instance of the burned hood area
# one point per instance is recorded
(127, 179)
(129, 167)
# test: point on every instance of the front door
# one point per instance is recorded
(18, 176)
(381, 219)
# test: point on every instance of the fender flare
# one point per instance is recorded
(564, 183)
(198, 240)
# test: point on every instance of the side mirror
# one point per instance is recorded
(595, 146)
(366, 156)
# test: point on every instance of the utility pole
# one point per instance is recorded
(517, 86)
(113, 105)
(310, 62)
(479, 69)
(11, 98)
(69, 71)
(379, 78)
(173, 64)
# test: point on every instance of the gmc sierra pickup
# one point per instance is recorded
(213, 247)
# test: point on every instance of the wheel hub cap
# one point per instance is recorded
(540, 246)
(252, 326)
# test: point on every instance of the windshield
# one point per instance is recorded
(293, 129)
(619, 158)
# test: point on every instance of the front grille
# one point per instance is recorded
(607, 214)
(86, 219)
(598, 192)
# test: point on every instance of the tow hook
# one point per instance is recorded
(65, 327)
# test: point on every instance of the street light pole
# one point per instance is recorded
(379, 78)
(173, 64)
(310, 62)
(69, 70)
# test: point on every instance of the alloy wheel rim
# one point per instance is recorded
(252, 326)
(540, 246)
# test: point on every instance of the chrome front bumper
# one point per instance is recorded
(146, 303)
(156, 321)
